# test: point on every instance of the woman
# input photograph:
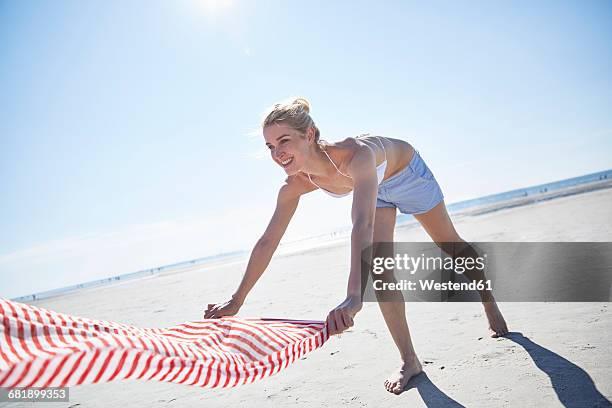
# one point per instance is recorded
(384, 174)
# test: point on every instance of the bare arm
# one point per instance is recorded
(363, 171)
(286, 205)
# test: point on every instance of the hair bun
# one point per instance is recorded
(303, 103)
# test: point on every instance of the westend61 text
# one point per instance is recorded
(432, 285)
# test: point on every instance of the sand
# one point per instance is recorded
(559, 354)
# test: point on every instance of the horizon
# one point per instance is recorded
(211, 257)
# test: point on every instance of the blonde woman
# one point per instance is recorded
(384, 175)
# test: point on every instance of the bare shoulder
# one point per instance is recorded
(351, 153)
(363, 160)
(295, 186)
(361, 143)
(356, 153)
(346, 148)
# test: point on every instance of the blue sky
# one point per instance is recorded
(126, 128)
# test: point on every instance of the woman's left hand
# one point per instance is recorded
(341, 318)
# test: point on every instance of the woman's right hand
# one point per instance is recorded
(228, 308)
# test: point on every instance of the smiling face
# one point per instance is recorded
(289, 148)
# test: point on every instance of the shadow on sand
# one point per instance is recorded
(432, 396)
(574, 387)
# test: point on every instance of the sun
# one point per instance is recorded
(213, 6)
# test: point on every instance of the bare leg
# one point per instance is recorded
(440, 228)
(394, 312)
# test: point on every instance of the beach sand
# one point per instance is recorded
(558, 355)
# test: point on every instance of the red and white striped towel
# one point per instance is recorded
(41, 348)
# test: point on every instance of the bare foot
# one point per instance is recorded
(497, 324)
(398, 380)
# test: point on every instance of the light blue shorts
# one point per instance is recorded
(414, 190)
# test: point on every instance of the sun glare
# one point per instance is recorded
(215, 6)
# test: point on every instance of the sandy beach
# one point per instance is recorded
(558, 354)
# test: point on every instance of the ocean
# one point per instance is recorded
(494, 202)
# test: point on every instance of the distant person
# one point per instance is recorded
(384, 175)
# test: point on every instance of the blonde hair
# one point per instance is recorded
(294, 112)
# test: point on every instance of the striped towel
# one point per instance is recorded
(41, 348)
